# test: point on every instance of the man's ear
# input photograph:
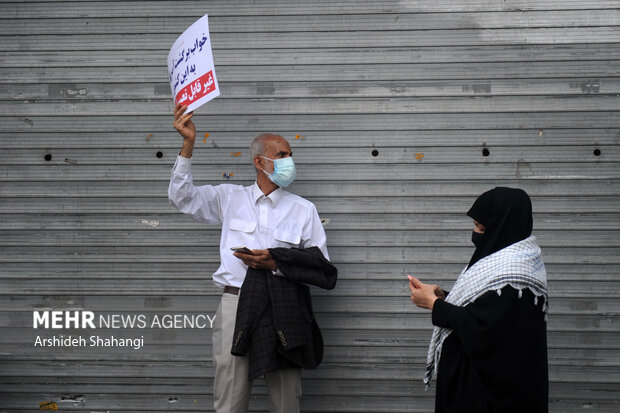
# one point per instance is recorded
(257, 163)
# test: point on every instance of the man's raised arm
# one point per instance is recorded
(203, 202)
(186, 128)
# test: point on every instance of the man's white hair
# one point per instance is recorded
(258, 144)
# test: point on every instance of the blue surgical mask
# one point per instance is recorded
(283, 171)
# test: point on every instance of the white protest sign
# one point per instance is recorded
(190, 67)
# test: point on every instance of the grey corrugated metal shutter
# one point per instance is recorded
(399, 113)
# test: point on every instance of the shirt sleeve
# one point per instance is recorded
(314, 234)
(203, 203)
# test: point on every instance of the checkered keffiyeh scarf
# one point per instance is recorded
(519, 265)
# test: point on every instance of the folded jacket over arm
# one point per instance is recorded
(275, 324)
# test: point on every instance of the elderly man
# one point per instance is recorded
(259, 216)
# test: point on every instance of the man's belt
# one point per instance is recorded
(231, 290)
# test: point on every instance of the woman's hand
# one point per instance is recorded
(439, 292)
(424, 295)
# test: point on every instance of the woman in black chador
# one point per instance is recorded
(489, 346)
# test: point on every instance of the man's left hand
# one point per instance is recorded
(260, 259)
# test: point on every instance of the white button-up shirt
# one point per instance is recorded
(248, 217)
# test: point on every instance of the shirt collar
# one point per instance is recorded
(257, 194)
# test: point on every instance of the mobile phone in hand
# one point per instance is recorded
(243, 250)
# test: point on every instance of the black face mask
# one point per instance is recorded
(476, 238)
